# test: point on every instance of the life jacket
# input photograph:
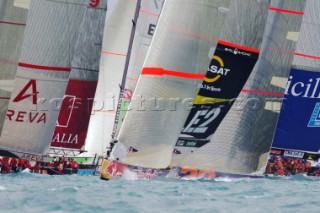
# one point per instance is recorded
(308, 165)
(280, 172)
(36, 168)
(75, 165)
(28, 165)
(13, 162)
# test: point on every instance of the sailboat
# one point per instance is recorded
(42, 75)
(174, 66)
(133, 23)
(295, 148)
(233, 61)
(243, 137)
(70, 132)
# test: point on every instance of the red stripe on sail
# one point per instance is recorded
(249, 49)
(307, 56)
(38, 67)
(12, 23)
(149, 13)
(279, 10)
(263, 92)
(296, 54)
(162, 72)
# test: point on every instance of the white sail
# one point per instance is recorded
(102, 119)
(42, 75)
(73, 121)
(247, 130)
(12, 25)
(175, 65)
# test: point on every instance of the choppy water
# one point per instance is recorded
(42, 193)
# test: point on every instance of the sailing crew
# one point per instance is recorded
(13, 164)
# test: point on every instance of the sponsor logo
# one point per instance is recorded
(315, 117)
(237, 52)
(94, 3)
(303, 89)
(28, 92)
(275, 152)
(65, 138)
(219, 71)
(85, 172)
(113, 170)
(30, 157)
(69, 104)
(295, 154)
(127, 94)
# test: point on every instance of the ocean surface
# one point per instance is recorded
(26, 192)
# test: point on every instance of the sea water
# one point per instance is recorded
(43, 193)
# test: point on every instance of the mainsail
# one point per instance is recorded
(174, 66)
(42, 76)
(73, 121)
(12, 25)
(232, 63)
(297, 131)
(247, 130)
(115, 48)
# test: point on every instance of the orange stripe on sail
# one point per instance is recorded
(249, 49)
(162, 72)
(149, 13)
(113, 53)
(132, 79)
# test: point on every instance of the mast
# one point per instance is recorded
(124, 77)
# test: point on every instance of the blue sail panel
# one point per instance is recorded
(299, 122)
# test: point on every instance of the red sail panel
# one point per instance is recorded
(72, 126)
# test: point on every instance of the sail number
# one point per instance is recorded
(201, 121)
(94, 3)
